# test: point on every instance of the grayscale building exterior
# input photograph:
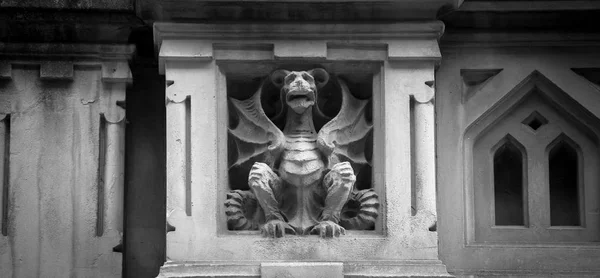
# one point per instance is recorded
(290, 138)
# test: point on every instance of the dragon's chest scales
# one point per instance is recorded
(301, 164)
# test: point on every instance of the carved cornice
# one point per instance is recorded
(67, 51)
(113, 5)
(297, 31)
(529, 6)
(367, 42)
(56, 61)
(293, 10)
(571, 15)
(456, 39)
(71, 25)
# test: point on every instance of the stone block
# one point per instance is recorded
(300, 270)
(116, 72)
(414, 50)
(243, 51)
(56, 70)
(301, 49)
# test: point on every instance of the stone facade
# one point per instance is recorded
(66, 214)
(481, 138)
(199, 62)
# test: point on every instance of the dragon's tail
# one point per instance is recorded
(241, 208)
(361, 211)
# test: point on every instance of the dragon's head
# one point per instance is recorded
(299, 88)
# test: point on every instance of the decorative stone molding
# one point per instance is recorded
(56, 95)
(392, 63)
(202, 42)
(294, 10)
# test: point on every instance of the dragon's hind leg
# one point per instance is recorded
(339, 183)
(243, 211)
(361, 210)
(266, 186)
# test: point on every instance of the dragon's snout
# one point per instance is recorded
(300, 90)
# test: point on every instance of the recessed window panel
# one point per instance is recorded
(564, 184)
(508, 185)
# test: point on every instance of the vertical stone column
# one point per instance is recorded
(115, 77)
(424, 152)
(410, 72)
(191, 145)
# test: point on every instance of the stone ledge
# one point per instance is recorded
(297, 31)
(413, 268)
(66, 51)
(67, 26)
(456, 40)
(294, 10)
(302, 269)
(125, 5)
(260, 42)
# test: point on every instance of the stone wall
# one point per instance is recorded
(63, 159)
(488, 87)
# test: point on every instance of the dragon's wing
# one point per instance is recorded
(255, 136)
(347, 135)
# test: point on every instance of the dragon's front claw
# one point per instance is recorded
(276, 228)
(327, 229)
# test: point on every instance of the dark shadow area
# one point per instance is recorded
(508, 185)
(564, 200)
(145, 163)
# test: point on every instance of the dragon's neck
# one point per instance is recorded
(299, 123)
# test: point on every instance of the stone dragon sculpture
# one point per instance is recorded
(301, 182)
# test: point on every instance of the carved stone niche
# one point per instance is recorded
(300, 150)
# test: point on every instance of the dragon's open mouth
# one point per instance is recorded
(300, 96)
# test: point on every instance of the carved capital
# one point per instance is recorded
(426, 94)
(175, 94)
(113, 94)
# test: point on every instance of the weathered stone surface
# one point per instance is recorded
(70, 4)
(65, 195)
(56, 70)
(37, 25)
(293, 10)
(533, 60)
(301, 270)
(197, 165)
(301, 49)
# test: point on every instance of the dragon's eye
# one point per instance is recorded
(290, 78)
(308, 77)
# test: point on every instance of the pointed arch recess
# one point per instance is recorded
(510, 182)
(565, 181)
